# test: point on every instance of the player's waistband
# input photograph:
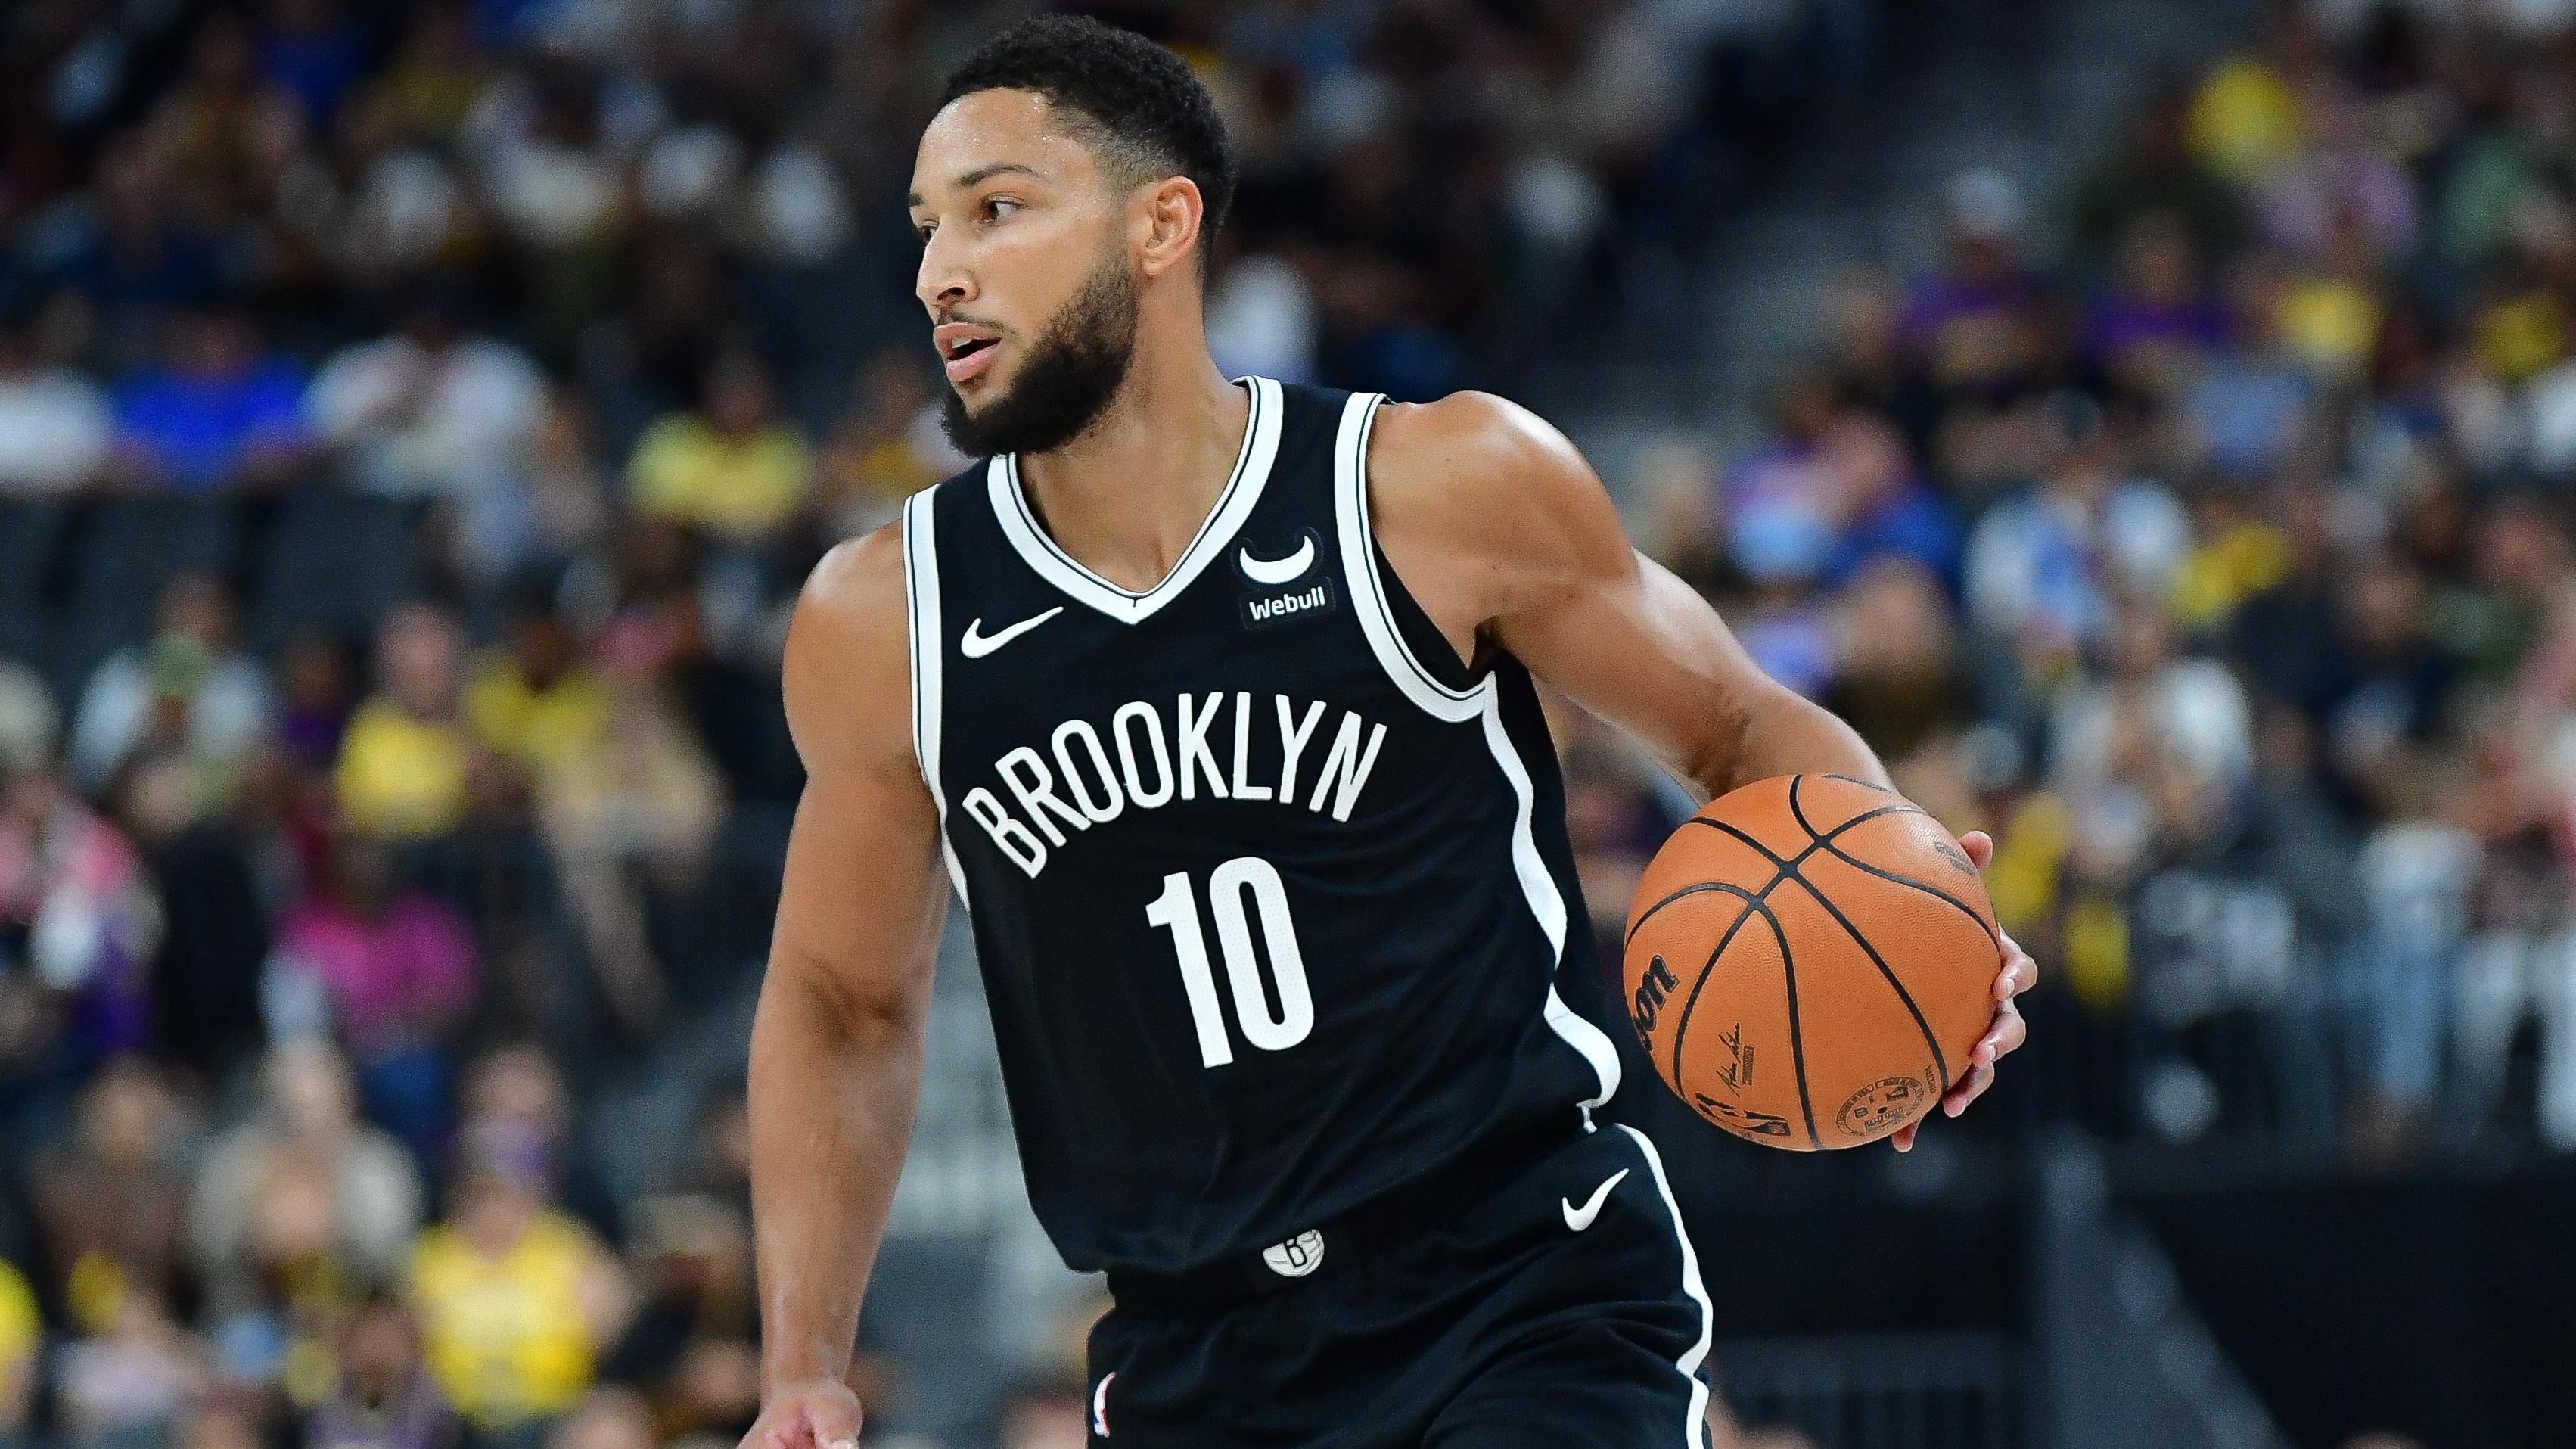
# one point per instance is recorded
(1392, 1217)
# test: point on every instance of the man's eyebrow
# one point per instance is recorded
(983, 174)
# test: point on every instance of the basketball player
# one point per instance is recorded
(1213, 700)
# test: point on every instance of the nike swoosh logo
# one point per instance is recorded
(1579, 1218)
(1277, 570)
(975, 643)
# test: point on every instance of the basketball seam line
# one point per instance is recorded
(1753, 905)
(1782, 864)
(1783, 868)
(1940, 1059)
(1679, 1027)
(1797, 1042)
(1893, 878)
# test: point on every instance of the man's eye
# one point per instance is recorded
(998, 207)
(923, 230)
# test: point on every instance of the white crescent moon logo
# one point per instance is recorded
(1100, 1405)
(1277, 570)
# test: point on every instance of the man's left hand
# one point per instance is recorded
(2007, 1032)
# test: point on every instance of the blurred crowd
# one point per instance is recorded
(415, 419)
(2203, 533)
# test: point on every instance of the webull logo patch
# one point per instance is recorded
(1265, 610)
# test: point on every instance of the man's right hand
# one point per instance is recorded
(810, 1414)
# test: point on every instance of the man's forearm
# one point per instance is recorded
(1786, 733)
(832, 1095)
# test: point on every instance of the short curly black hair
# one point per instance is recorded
(1134, 101)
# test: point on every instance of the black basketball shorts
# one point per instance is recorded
(1562, 1310)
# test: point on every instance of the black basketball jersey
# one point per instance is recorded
(1274, 903)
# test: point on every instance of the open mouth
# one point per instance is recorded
(964, 351)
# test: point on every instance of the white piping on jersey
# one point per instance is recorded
(1482, 702)
(1233, 507)
(1695, 1428)
(1548, 904)
(928, 646)
(1368, 589)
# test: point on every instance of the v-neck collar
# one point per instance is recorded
(1233, 506)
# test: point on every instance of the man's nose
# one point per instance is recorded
(943, 282)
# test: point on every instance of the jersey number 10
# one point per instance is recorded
(1177, 910)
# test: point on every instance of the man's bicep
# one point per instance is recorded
(863, 894)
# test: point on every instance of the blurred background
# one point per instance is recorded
(2152, 421)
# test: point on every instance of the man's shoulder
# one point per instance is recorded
(1470, 459)
(1463, 438)
(858, 585)
(848, 666)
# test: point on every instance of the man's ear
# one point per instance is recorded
(1167, 225)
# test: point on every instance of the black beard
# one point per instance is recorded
(1076, 366)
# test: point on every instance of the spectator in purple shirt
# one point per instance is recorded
(215, 413)
(1976, 323)
(2148, 331)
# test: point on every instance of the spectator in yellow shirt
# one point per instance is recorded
(516, 1300)
(732, 467)
(534, 701)
(404, 761)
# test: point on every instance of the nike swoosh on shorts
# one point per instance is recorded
(1579, 1218)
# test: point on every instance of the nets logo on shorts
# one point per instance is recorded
(1298, 1256)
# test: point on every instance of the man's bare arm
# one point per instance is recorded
(1499, 528)
(836, 1046)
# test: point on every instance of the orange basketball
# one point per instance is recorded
(1810, 961)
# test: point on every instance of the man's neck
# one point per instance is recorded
(1127, 496)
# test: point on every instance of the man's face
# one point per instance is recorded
(1025, 272)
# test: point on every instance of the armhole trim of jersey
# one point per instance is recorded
(1547, 903)
(1368, 586)
(923, 635)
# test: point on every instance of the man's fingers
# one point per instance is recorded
(1980, 848)
(2018, 976)
(2020, 972)
(1903, 1138)
(2008, 1033)
(1982, 1077)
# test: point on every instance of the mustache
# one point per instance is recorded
(998, 327)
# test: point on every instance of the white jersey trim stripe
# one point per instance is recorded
(929, 651)
(1243, 487)
(1695, 1429)
(1548, 904)
(1368, 588)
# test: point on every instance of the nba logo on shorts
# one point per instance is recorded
(1298, 1256)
